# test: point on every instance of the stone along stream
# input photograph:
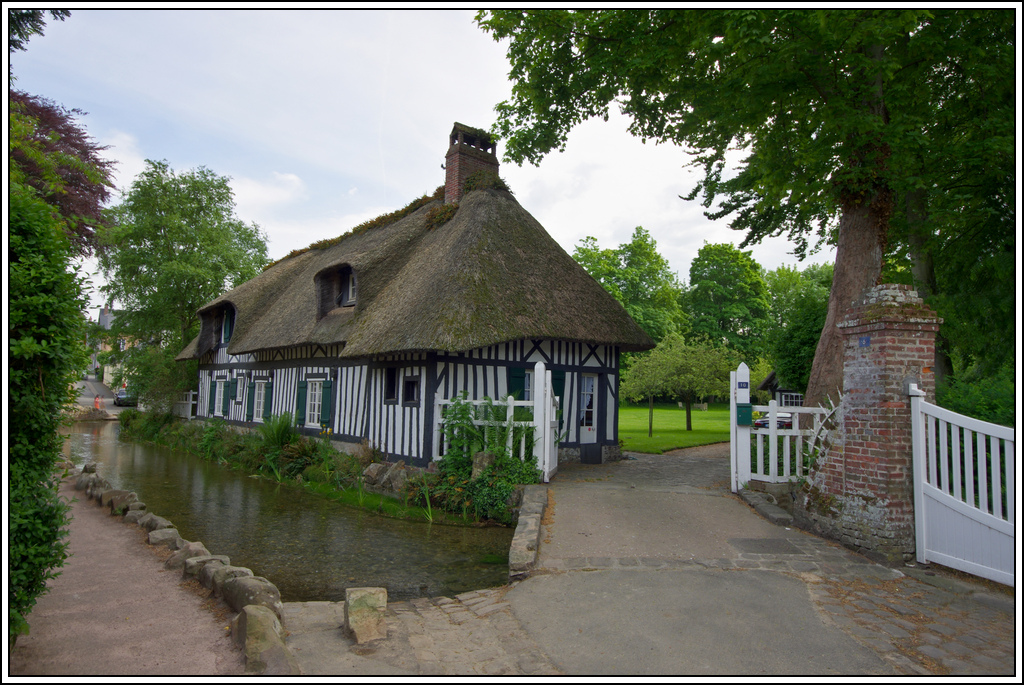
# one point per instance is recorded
(311, 548)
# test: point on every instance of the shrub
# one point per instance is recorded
(989, 398)
(45, 356)
(277, 431)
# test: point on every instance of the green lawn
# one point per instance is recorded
(670, 432)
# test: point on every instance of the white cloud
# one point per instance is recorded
(254, 197)
(124, 151)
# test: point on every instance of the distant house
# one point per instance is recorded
(785, 397)
(106, 321)
(363, 333)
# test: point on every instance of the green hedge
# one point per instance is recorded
(46, 355)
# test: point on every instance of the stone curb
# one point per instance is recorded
(522, 553)
(265, 653)
(762, 506)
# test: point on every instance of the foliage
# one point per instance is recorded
(440, 215)
(799, 304)
(173, 244)
(640, 279)
(55, 156)
(45, 356)
(483, 179)
(682, 370)
(843, 114)
(489, 495)
(25, 23)
(277, 430)
(728, 299)
(991, 398)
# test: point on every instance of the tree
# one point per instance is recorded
(46, 353)
(173, 244)
(62, 163)
(835, 109)
(640, 279)
(799, 304)
(727, 299)
(686, 371)
(23, 24)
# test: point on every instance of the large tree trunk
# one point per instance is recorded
(866, 205)
(859, 249)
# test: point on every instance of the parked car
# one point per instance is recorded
(123, 398)
(782, 419)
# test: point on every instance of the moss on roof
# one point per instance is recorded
(489, 274)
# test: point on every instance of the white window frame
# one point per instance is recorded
(314, 400)
(588, 410)
(258, 397)
(527, 386)
(218, 398)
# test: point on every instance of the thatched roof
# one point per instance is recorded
(491, 274)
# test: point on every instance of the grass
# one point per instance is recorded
(670, 432)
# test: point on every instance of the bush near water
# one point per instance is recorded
(279, 453)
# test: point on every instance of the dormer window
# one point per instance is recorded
(227, 325)
(336, 288)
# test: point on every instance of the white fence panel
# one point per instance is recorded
(543, 424)
(964, 491)
(186, 406)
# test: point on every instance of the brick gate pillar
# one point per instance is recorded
(861, 491)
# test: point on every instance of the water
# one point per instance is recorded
(311, 548)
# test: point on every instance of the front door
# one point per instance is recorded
(590, 451)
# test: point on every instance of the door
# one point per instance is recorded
(590, 451)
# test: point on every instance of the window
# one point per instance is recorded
(411, 390)
(259, 394)
(218, 403)
(587, 401)
(336, 288)
(527, 385)
(391, 384)
(240, 389)
(227, 325)
(314, 398)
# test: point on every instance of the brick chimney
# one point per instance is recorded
(471, 149)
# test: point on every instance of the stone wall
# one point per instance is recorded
(861, 490)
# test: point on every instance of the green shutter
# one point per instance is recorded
(517, 382)
(268, 396)
(326, 398)
(229, 392)
(250, 400)
(300, 404)
(213, 396)
(558, 382)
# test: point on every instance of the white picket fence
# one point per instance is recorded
(964, 491)
(769, 454)
(537, 436)
(186, 407)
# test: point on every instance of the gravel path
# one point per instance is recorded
(99, 619)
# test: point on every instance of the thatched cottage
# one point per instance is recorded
(463, 293)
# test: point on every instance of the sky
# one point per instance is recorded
(324, 119)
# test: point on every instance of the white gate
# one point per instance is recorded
(544, 422)
(774, 452)
(964, 491)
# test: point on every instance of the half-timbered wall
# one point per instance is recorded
(399, 427)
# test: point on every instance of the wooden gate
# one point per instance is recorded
(964, 491)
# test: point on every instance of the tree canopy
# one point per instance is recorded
(57, 158)
(680, 369)
(640, 279)
(173, 244)
(840, 113)
(727, 298)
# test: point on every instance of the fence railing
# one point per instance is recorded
(186, 405)
(531, 425)
(780, 450)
